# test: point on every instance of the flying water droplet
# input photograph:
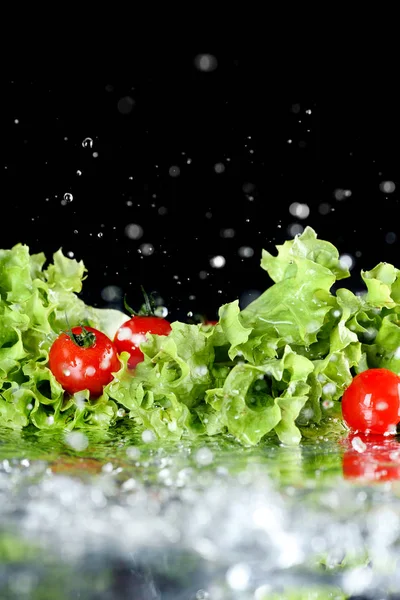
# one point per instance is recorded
(87, 143)
(67, 199)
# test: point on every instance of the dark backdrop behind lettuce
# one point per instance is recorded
(177, 175)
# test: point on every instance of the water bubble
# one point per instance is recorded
(67, 198)
(238, 577)
(76, 440)
(387, 186)
(248, 187)
(161, 311)
(329, 388)
(148, 436)
(79, 172)
(133, 452)
(295, 229)
(205, 62)
(227, 233)
(133, 231)
(147, 249)
(217, 261)
(111, 293)
(219, 168)
(390, 237)
(324, 208)
(299, 210)
(341, 194)
(174, 171)
(125, 105)
(245, 251)
(346, 261)
(100, 234)
(204, 456)
(202, 595)
(87, 143)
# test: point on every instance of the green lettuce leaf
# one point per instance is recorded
(277, 367)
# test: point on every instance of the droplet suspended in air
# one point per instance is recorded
(246, 251)
(133, 231)
(67, 198)
(387, 186)
(219, 168)
(217, 262)
(205, 62)
(341, 194)
(125, 105)
(299, 210)
(147, 249)
(346, 261)
(87, 143)
(174, 171)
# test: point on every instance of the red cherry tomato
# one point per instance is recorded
(371, 458)
(371, 403)
(133, 332)
(83, 359)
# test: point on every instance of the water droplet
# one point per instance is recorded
(219, 168)
(299, 210)
(245, 251)
(76, 440)
(146, 249)
(133, 231)
(387, 186)
(125, 105)
(87, 143)
(174, 171)
(67, 198)
(161, 311)
(205, 62)
(204, 456)
(148, 436)
(217, 262)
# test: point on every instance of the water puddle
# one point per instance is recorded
(211, 521)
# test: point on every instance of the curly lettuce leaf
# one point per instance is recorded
(277, 367)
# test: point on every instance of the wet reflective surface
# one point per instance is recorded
(123, 519)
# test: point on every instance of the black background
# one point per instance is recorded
(274, 145)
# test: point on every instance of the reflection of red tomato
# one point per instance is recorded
(371, 458)
(76, 466)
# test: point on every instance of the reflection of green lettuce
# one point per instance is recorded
(278, 367)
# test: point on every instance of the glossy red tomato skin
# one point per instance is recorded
(371, 403)
(133, 332)
(78, 368)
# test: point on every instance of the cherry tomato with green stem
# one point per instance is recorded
(134, 332)
(83, 358)
(371, 403)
